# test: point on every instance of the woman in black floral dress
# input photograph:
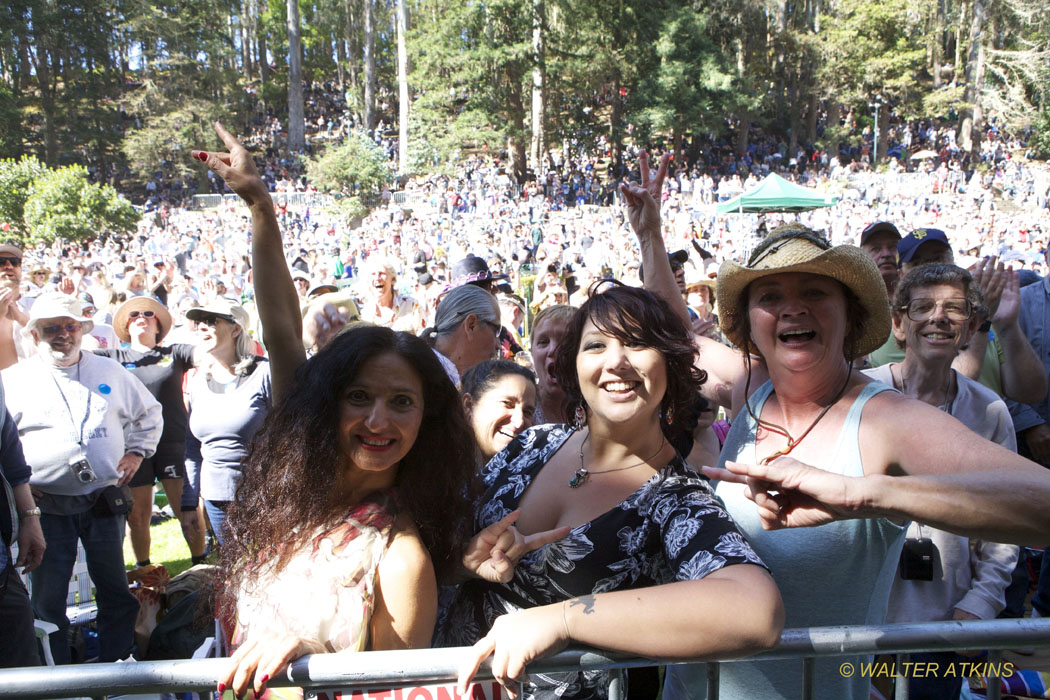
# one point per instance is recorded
(598, 533)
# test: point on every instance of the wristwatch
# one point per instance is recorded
(28, 513)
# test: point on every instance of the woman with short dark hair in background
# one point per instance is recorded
(499, 397)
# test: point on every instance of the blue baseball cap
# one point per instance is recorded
(907, 246)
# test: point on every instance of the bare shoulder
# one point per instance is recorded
(406, 558)
(900, 435)
(406, 607)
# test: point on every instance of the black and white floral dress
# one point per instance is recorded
(673, 528)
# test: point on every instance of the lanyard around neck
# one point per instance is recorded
(69, 409)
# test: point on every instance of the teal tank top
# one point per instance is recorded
(835, 574)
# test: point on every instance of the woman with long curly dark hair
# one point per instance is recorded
(357, 489)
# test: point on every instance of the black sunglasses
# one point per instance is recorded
(143, 314)
(211, 319)
(13, 262)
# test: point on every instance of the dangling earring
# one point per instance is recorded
(669, 415)
(579, 417)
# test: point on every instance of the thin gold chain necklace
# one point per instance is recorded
(582, 475)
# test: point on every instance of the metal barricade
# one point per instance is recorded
(390, 669)
(206, 201)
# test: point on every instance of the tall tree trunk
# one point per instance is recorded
(370, 65)
(743, 117)
(831, 131)
(340, 62)
(968, 125)
(615, 121)
(246, 54)
(47, 88)
(403, 94)
(794, 108)
(260, 44)
(963, 13)
(516, 141)
(539, 90)
(937, 59)
(884, 134)
(811, 118)
(296, 118)
(978, 109)
(353, 51)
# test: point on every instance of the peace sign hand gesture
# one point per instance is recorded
(493, 553)
(643, 199)
(236, 168)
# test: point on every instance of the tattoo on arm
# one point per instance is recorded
(587, 601)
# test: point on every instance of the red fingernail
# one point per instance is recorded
(266, 678)
(222, 688)
(202, 156)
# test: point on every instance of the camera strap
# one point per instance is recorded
(69, 410)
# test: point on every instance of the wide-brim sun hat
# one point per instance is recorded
(121, 317)
(223, 308)
(847, 264)
(58, 305)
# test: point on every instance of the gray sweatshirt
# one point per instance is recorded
(95, 403)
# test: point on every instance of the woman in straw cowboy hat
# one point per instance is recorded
(820, 444)
(144, 322)
(801, 311)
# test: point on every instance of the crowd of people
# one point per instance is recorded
(506, 417)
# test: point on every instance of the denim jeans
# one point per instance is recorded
(216, 511)
(940, 686)
(102, 538)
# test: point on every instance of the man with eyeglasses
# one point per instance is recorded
(14, 307)
(85, 425)
(998, 356)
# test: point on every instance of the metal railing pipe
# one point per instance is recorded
(400, 668)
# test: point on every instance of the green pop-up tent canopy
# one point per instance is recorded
(775, 194)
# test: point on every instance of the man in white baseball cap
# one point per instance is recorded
(85, 425)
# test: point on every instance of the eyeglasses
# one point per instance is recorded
(923, 309)
(143, 314)
(69, 328)
(210, 320)
(494, 326)
(13, 262)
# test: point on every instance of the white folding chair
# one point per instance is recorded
(81, 608)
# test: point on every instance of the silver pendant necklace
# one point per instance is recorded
(582, 475)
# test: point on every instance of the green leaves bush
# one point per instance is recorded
(42, 204)
(357, 166)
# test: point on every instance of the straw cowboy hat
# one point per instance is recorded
(795, 252)
(121, 319)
